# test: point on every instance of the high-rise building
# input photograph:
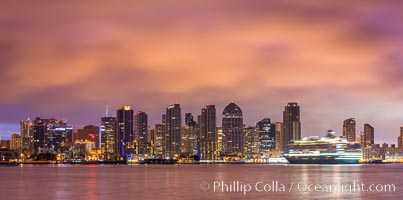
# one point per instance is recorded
(349, 129)
(361, 139)
(15, 142)
(208, 137)
(219, 140)
(173, 130)
(150, 140)
(232, 126)
(189, 121)
(141, 130)
(49, 135)
(25, 128)
(159, 132)
(190, 135)
(400, 139)
(125, 139)
(39, 130)
(189, 141)
(56, 136)
(267, 136)
(26, 131)
(251, 141)
(291, 123)
(279, 136)
(369, 134)
(108, 135)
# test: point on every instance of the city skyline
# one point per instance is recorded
(337, 60)
(183, 121)
(201, 99)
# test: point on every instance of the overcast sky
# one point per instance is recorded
(337, 59)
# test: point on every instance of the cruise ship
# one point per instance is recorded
(323, 150)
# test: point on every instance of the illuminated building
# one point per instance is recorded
(15, 142)
(190, 136)
(159, 132)
(279, 136)
(150, 141)
(82, 149)
(267, 136)
(208, 133)
(173, 130)
(368, 135)
(5, 153)
(25, 128)
(93, 134)
(89, 132)
(56, 136)
(141, 130)
(251, 141)
(26, 131)
(108, 135)
(384, 151)
(349, 129)
(50, 135)
(39, 130)
(5, 144)
(232, 125)
(361, 139)
(189, 140)
(125, 139)
(400, 139)
(291, 123)
(219, 139)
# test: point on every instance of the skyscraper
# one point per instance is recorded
(124, 117)
(25, 128)
(159, 132)
(219, 140)
(349, 129)
(208, 137)
(190, 136)
(232, 126)
(361, 139)
(368, 135)
(279, 136)
(26, 132)
(189, 140)
(251, 141)
(56, 135)
(108, 135)
(267, 136)
(291, 123)
(150, 140)
(173, 130)
(50, 135)
(39, 130)
(141, 130)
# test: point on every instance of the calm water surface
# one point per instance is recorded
(200, 181)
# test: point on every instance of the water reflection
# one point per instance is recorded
(183, 181)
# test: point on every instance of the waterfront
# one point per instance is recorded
(188, 181)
